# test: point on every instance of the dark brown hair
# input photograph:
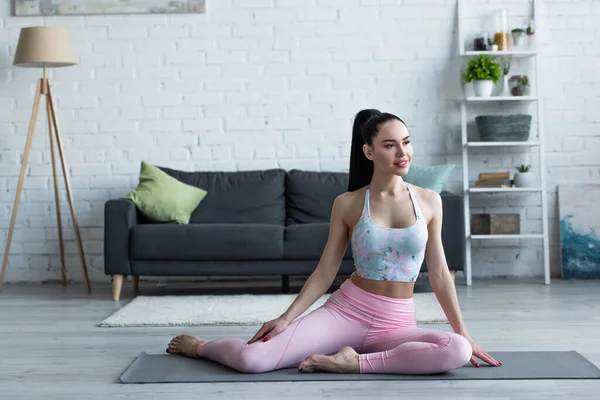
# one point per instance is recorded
(365, 128)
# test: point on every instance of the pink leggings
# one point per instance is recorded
(382, 330)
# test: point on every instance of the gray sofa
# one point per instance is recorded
(269, 222)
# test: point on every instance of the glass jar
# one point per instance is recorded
(501, 32)
(514, 85)
(481, 42)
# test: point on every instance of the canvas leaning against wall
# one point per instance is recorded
(74, 7)
(579, 230)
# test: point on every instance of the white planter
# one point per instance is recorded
(518, 38)
(483, 88)
(494, 47)
(525, 179)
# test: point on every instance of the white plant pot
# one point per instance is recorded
(483, 88)
(494, 47)
(524, 179)
(518, 38)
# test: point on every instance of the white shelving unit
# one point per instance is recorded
(538, 143)
(500, 98)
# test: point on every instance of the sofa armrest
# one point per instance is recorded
(120, 215)
(453, 231)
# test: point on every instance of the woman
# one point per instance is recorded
(369, 324)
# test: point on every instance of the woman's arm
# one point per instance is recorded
(442, 282)
(329, 264)
(437, 268)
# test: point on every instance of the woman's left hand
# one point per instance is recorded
(479, 353)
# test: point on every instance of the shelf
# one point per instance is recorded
(517, 236)
(500, 144)
(502, 98)
(466, 99)
(514, 53)
(513, 189)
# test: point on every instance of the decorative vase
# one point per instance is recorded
(524, 179)
(483, 87)
(505, 88)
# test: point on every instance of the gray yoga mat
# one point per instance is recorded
(168, 368)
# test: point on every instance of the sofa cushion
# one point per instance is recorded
(310, 195)
(241, 197)
(162, 198)
(207, 242)
(432, 177)
(307, 241)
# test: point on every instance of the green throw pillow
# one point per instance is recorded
(432, 177)
(163, 198)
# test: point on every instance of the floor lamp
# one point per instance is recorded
(46, 47)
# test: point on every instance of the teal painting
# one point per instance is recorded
(579, 227)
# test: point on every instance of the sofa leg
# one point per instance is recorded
(285, 283)
(136, 283)
(117, 284)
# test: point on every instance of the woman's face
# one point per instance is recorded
(391, 151)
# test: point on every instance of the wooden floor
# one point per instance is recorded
(51, 347)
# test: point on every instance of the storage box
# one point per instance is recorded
(495, 224)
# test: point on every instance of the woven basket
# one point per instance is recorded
(498, 128)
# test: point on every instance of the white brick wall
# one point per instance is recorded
(256, 84)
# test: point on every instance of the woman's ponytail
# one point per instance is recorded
(361, 168)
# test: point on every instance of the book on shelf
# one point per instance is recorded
(493, 180)
(479, 184)
(485, 176)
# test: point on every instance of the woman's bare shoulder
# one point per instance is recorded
(429, 200)
(426, 194)
(350, 198)
(350, 202)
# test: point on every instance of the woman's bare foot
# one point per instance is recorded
(186, 345)
(344, 361)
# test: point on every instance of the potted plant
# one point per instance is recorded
(523, 178)
(484, 72)
(518, 35)
(493, 46)
(531, 27)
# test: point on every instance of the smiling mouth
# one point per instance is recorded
(401, 164)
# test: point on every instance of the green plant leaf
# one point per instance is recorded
(482, 67)
(524, 168)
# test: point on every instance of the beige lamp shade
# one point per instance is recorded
(44, 46)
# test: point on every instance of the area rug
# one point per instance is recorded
(167, 368)
(239, 309)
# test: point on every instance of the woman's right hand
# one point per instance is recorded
(270, 329)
